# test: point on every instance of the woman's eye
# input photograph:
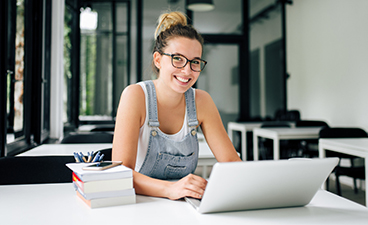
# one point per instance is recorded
(196, 62)
(177, 58)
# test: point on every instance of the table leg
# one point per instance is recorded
(276, 149)
(321, 151)
(204, 171)
(243, 134)
(244, 144)
(322, 154)
(230, 133)
(255, 146)
(366, 180)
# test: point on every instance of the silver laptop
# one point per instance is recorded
(235, 186)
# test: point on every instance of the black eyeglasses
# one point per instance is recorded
(180, 61)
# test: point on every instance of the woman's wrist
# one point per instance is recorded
(166, 191)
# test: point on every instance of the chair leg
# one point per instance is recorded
(354, 179)
(338, 188)
(355, 186)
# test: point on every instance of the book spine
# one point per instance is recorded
(78, 182)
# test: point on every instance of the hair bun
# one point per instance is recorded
(166, 20)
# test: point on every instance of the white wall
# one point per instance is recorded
(327, 55)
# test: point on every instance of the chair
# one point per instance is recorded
(353, 172)
(107, 154)
(88, 137)
(289, 115)
(309, 148)
(275, 124)
(311, 123)
(35, 169)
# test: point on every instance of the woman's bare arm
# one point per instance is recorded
(213, 129)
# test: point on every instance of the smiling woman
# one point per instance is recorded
(156, 124)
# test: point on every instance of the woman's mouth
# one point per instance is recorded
(184, 80)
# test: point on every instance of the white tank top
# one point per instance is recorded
(145, 130)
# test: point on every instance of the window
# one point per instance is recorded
(25, 89)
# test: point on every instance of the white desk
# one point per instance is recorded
(352, 146)
(58, 204)
(277, 134)
(243, 127)
(89, 127)
(205, 156)
(63, 149)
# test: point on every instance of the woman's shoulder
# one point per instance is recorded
(202, 96)
(133, 89)
(133, 92)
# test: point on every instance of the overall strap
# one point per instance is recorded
(191, 107)
(152, 104)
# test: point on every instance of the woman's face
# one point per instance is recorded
(180, 80)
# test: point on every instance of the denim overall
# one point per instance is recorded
(166, 158)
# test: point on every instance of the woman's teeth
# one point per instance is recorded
(182, 79)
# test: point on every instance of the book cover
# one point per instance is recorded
(104, 202)
(116, 172)
(102, 185)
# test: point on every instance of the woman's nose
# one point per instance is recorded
(187, 69)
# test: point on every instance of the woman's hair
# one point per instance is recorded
(171, 25)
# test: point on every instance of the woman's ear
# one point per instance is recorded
(157, 59)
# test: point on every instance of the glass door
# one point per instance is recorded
(102, 69)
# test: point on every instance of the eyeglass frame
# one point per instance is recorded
(190, 61)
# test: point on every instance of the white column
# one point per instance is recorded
(57, 70)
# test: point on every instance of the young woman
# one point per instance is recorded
(155, 132)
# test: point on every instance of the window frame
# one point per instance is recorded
(36, 99)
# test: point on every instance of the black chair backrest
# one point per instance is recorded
(342, 132)
(311, 123)
(107, 154)
(103, 128)
(88, 137)
(35, 169)
(275, 124)
(290, 115)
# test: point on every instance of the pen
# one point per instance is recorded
(76, 157)
(97, 156)
(90, 154)
(101, 157)
(82, 157)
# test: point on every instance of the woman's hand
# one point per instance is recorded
(189, 186)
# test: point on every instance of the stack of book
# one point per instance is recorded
(103, 188)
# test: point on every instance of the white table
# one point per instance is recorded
(205, 156)
(58, 204)
(352, 146)
(63, 149)
(277, 134)
(90, 127)
(243, 127)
